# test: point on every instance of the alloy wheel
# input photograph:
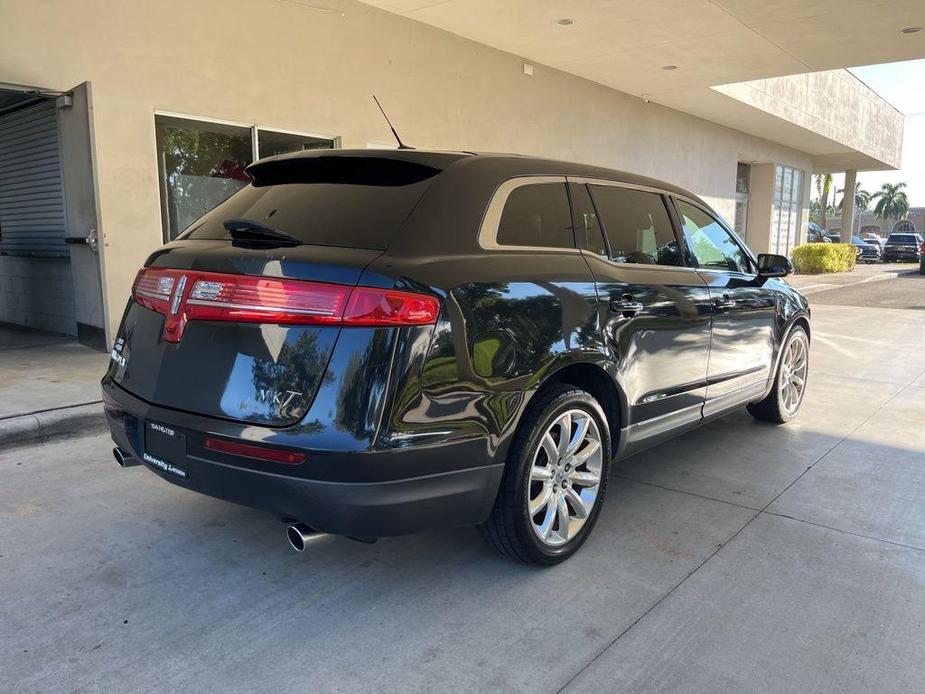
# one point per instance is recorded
(565, 477)
(794, 367)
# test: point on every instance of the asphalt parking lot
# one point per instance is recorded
(739, 558)
(886, 285)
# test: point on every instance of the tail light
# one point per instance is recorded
(183, 296)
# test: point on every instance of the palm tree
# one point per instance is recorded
(823, 188)
(892, 203)
(861, 201)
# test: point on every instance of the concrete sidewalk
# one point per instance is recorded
(49, 386)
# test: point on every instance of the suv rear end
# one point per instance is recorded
(256, 358)
(903, 246)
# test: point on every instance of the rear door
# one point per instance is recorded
(655, 309)
(742, 346)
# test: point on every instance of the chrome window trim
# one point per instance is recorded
(584, 180)
(488, 230)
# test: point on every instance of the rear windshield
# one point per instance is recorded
(901, 238)
(353, 202)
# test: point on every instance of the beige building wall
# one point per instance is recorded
(279, 64)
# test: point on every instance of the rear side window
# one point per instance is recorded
(351, 202)
(537, 214)
(637, 226)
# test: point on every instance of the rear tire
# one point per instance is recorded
(558, 477)
(783, 402)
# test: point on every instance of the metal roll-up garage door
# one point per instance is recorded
(32, 220)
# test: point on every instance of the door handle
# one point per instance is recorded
(725, 303)
(626, 305)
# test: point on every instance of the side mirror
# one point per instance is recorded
(770, 265)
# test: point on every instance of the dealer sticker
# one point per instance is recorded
(164, 465)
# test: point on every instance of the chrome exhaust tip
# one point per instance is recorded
(301, 536)
(123, 458)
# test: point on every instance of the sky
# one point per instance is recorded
(903, 85)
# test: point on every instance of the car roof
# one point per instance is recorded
(500, 166)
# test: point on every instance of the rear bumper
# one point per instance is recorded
(382, 506)
(901, 255)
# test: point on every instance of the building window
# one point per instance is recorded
(273, 142)
(743, 184)
(788, 205)
(904, 227)
(201, 163)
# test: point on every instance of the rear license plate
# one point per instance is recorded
(164, 448)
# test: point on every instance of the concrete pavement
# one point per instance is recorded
(742, 557)
(49, 386)
(862, 274)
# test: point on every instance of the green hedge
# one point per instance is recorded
(824, 257)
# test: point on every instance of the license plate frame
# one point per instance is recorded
(164, 448)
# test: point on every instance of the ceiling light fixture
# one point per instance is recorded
(565, 21)
(669, 67)
(910, 30)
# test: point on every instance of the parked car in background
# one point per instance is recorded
(865, 251)
(870, 251)
(376, 344)
(814, 234)
(922, 259)
(903, 246)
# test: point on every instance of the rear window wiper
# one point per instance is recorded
(249, 230)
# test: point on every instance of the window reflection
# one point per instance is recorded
(200, 165)
(272, 142)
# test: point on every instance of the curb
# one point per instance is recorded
(77, 420)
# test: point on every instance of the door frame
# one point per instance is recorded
(66, 102)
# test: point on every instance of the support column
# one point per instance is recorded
(847, 206)
(761, 209)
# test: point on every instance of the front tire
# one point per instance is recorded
(555, 479)
(783, 402)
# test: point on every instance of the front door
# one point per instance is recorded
(742, 346)
(654, 309)
(81, 221)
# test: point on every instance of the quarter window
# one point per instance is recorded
(712, 246)
(637, 226)
(537, 215)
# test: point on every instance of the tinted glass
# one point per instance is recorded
(537, 215)
(356, 202)
(711, 244)
(587, 225)
(901, 238)
(637, 226)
